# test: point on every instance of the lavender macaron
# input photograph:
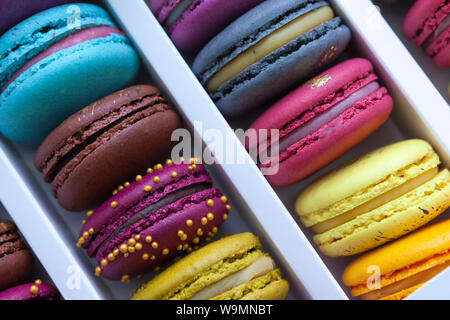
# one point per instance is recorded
(169, 210)
(31, 291)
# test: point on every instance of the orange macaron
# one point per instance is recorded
(394, 271)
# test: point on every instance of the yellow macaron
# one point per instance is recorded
(397, 269)
(232, 268)
(376, 198)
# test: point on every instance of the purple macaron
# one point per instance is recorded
(147, 222)
(31, 291)
(192, 23)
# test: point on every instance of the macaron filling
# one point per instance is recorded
(64, 43)
(407, 283)
(177, 12)
(324, 118)
(376, 202)
(275, 40)
(258, 268)
(441, 29)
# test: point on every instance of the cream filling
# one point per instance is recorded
(272, 42)
(258, 268)
(176, 13)
(407, 283)
(376, 202)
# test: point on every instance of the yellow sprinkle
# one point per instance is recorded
(90, 212)
(154, 245)
(126, 184)
(180, 233)
(126, 255)
(138, 177)
(184, 237)
(190, 168)
(196, 240)
(225, 216)
(98, 271)
(210, 203)
(34, 289)
(138, 246)
(38, 281)
(149, 170)
(228, 207)
(210, 216)
(215, 229)
(137, 237)
(148, 239)
(204, 221)
(189, 223)
(223, 199)
(156, 179)
(114, 192)
(131, 249)
(111, 257)
(180, 247)
(120, 188)
(91, 231)
(152, 258)
(158, 166)
(113, 204)
(104, 262)
(148, 188)
(116, 252)
(165, 252)
(145, 256)
(169, 162)
(83, 221)
(131, 242)
(199, 232)
(85, 235)
(173, 174)
(123, 248)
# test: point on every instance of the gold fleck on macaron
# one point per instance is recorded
(149, 170)
(158, 166)
(120, 188)
(124, 278)
(138, 177)
(127, 184)
(131, 242)
(83, 221)
(145, 256)
(154, 244)
(189, 222)
(137, 237)
(34, 289)
(115, 191)
(180, 233)
(190, 168)
(89, 213)
(138, 246)
(148, 239)
(38, 281)
(123, 248)
(91, 231)
(228, 207)
(169, 162)
(174, 174)
(215, 229)
(204, 221)
(111, 257)
(184, 237)
(165, 251)
(185, 246)
(196, 240)
(210, 216)
(116, 252)
(199, 232)
(180, 247)
(223, 199)
(98, 271)
(104, 262)
(156, 179)
(114, 204)
(152, 258)
(194, 167)
(225, 216)
(148, 188)
(125, 255)
(210, 203)
(131, 249)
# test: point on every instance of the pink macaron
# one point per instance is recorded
(192, 23)
(428, 25)
(319, 121)
(31, 291)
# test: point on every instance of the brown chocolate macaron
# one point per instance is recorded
(104, 144)
(15, 259)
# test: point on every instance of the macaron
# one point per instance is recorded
(377, 198)
(268, 51)
(56, 62)
(385, 274)
(104, 144)
(319, 121)
(31, 291)
(232, 268)
(15, 259)
(192, 23)
(427, 24)
(162, 214)
(14, 11)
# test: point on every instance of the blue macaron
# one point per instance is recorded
(268, 51)
(55, 63)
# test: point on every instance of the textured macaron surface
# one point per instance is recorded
(310, 110)
(31, 291)
(421, 251)
(191, 23)
(15, 259)
(273, 72)
(52, 59)
(149, 221)
(210, 265)
(104, 144)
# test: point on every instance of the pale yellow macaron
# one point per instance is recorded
(376, 198)
(232, 268)
(397, 269)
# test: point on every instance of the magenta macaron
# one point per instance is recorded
(192, 23)
(321, 120)
(427, 24)
(31, 291)
(148, 222)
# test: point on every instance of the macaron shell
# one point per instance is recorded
(14, 11)
(109, 164)
(62, 83)
(389, 221)
(343, 183)
(415, 247)
(164, 233)
(196, 263)
(283, 69)
(423, 18)
(23, 292)
(204, 19)
(343, 133)
(440, 49)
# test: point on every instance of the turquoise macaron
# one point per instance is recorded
(56, 62)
